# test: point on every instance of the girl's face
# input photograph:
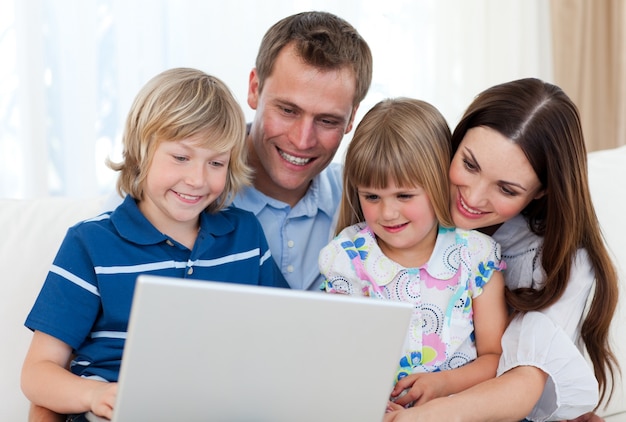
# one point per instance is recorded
(183, 179)
(403, 220)
(491, 180)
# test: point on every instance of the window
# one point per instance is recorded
(71, 69)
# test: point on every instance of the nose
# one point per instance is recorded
(196, 174)
(476, 195)
(389, 210)
(302, 133)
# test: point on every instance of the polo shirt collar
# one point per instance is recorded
(133, 226)
(254, 201)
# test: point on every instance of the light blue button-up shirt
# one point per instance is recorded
(296, 235)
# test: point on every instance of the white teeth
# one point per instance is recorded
(468, 209)
(294, 160)
(188, 197)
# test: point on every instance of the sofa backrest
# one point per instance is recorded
(607, 175)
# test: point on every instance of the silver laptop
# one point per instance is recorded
(209, 351)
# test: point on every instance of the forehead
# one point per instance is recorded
(498, 157)
(293, 81)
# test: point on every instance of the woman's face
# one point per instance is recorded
(491, 180)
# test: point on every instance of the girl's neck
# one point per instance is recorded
(413, 257)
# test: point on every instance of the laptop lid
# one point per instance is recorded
(228, 352)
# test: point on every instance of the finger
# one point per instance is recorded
(405, 399)
(391, 406)
(390, 416)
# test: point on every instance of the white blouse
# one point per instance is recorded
(548, 339)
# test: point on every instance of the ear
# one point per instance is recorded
(540, 194)
(351, 122)
(253, 89)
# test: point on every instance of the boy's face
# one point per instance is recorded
(301, 116)
(183, 179)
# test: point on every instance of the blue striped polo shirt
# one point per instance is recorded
(86, 298)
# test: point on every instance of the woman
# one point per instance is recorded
(519, 173)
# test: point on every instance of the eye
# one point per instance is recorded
(507, 191)
(216, 164)
(370, 197)
(287, 110)
(180, 158)
(405, 196)
(469, 165)
(329, 122)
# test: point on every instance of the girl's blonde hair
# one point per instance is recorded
(178, 104)
(399, 140)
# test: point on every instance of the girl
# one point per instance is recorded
(396, 242)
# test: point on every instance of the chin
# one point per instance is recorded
(467, 223)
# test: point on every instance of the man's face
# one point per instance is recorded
(301, 116)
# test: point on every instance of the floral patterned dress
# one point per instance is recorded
(441, 331)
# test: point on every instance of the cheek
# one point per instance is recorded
(369, 212)
(422, 211)
(508, 209)
(456, 174)
(272, 125)
(217, 181)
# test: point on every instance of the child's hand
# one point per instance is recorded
(103, 399)
(420, 388)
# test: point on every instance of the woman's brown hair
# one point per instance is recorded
(545, 123)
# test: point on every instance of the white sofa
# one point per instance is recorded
(33, 230)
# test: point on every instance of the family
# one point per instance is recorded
(488, 230)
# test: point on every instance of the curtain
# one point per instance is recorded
(69, 69)
(590, 65)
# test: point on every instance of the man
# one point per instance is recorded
(312, 71)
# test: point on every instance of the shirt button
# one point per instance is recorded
(290, 269)
(190, 270)
(290, 243)
(169, 242)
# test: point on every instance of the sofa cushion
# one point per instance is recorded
(32, 233)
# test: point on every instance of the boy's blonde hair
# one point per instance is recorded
(178, 104)
(399, 140)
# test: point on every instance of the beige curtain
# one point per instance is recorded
(589, 47)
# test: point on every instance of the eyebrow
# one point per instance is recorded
(469, 151)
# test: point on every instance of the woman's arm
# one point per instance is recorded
(490, 319)
(509, 397)
(46, 381)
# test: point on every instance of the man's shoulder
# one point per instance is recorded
(329, 182)
(333, 173)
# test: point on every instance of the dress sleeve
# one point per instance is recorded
(485, 257)
(547, 340)
(338, 270)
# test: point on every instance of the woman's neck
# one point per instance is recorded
(490, 230)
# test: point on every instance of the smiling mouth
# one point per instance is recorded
(188, 197)
(467, 208)
(297, 161)
(395, 226)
